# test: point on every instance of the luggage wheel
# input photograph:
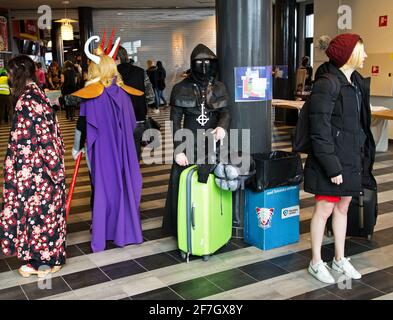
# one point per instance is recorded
(206, 258)
(183, 255)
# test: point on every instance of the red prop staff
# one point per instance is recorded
(72, 185)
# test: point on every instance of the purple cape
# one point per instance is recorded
(115, 171)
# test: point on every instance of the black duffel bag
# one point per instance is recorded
(276, 169)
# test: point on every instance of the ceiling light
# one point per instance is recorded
(67, 30)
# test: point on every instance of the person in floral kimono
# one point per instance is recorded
(32, 220)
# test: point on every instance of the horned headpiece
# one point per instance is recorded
(111, 51)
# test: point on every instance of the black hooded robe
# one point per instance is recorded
(185, 102)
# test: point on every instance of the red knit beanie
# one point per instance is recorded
(341, 47)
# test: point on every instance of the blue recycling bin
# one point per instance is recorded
(272, 217)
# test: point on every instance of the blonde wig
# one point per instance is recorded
(105, 71)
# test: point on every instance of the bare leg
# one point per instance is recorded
(322, 212)
(340, 226)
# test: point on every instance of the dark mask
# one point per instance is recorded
(205, 67)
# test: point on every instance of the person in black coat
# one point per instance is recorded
(69, 85)
(137, 78)
(186, 99)
(343, 149)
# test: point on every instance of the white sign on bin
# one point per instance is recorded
(287, 213)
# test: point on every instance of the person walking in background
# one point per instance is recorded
(343, 149)
(160, 84)
(304, 78)
(137, 78)
(40, 74)
(5, 97)
(32, 221)
(69, 85)
(152, 74)
(79, 71)
(54, 76)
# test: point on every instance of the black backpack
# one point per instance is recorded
(301, 139)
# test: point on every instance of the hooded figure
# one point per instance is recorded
(202, 102)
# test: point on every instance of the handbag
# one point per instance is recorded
(71, 100)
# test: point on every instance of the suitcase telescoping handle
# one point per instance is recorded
(361, 210)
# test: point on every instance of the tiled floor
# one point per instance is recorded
(154, 270)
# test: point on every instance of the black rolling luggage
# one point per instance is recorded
(362, 215)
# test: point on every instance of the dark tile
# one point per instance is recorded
(382, 171)
(122, 269)
(380, 280)
(85, 247)
(326, 254)
(227, 248)
(153, 213)
(376, 242)
(157, 261)
(240, 243)
(158, 183)
(110, 245)
(386, 233)
(384, 208)
(159, 294)
(14, 263)
(82, 194)
(263, 270)
(77, 227)
(304, 226)
(292, 262)
(357, 291)
(231, 279)
(389, 270)
(196, 289)
(49, 287)
(320, 294)
(80, 209)
(73, 251)
(351, 248)
(155, 173)
(177, 255)
(306, 203)
(155, 234)
(3, 265)
(154, 196)
(85, 278)
(14, 293)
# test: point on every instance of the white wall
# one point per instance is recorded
(166, 35)
(365, 19)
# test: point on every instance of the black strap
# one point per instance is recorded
(203, 172)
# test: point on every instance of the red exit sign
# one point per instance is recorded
(383, 21)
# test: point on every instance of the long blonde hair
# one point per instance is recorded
(106, 71)
(357, 58)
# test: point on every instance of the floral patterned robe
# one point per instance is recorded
(32, 223)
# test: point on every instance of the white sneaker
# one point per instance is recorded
(156, 111)
(320, 271)
(345, 267)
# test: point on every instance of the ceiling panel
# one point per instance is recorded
(33, 4)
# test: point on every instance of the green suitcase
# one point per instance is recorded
(204, 215)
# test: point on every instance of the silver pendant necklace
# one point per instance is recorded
(203, 118)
